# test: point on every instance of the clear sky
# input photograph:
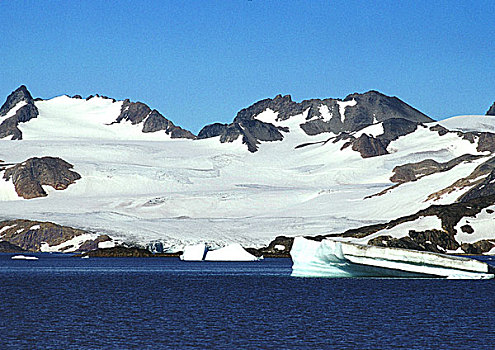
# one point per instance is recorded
(198, 62)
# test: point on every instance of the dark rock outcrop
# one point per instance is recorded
(29, 176)
(7, 247)
(375, 105)
(449, 214)
(429, 240)
(8, 127)
(369, 146)
(414, 171)
(120, 251)
(480, 247)
(486, 142)
(19, 95)
(29, 235)
(93, 244)
(369, 108)
(474, 181)
(491, 111)
(274, 249)
(482, 189)
(153, 121)
(372, 146)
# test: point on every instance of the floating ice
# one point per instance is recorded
(331, 258)
(195, 252)
(24, 257)
(233, 252)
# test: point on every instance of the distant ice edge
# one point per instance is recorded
(333, 258)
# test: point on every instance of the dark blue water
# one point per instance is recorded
(70, 303)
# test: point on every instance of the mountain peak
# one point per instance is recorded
(491, 111)
(18, 95)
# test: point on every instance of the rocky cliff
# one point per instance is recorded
(30, 176)
(31, 235)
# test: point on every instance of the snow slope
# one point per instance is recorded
(470, 123)
(140, 187)
(66, 118)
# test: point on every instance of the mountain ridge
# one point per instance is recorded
(277, 169)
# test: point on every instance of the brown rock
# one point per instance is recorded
(29, 176)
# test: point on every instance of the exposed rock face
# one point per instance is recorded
(19, 95)
(414, 171)
(480, 247)
(7, 247)
(252, 131)
(153, 121)
(278, 248)
(29, 235)
(491, 111)
(360, 110)
(8, 127)
(29, 176)
(476, 180)
(484, 188)
(381, 107)
(486, 142)
(369, 146)
(93, 244)
(428, 240)
(436, 241)
(121, 251)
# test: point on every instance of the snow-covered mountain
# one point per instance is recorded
(369, 167)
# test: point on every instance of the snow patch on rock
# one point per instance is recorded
(343, 105)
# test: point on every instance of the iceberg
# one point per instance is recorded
(334, 258)
(195, 252)
(232, 252)
(24, 257)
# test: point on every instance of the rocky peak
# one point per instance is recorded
(153, 121)
(491, 111)
(341, 116)
(8, 127)
(374, 106)
(20, 94)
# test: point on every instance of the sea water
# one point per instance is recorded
(60, 302)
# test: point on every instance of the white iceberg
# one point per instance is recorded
(24, 257)
(332, 258)
(195, 252)
(232, 252)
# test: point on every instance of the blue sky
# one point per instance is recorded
(200, 62)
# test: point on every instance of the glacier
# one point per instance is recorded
(337, 258)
